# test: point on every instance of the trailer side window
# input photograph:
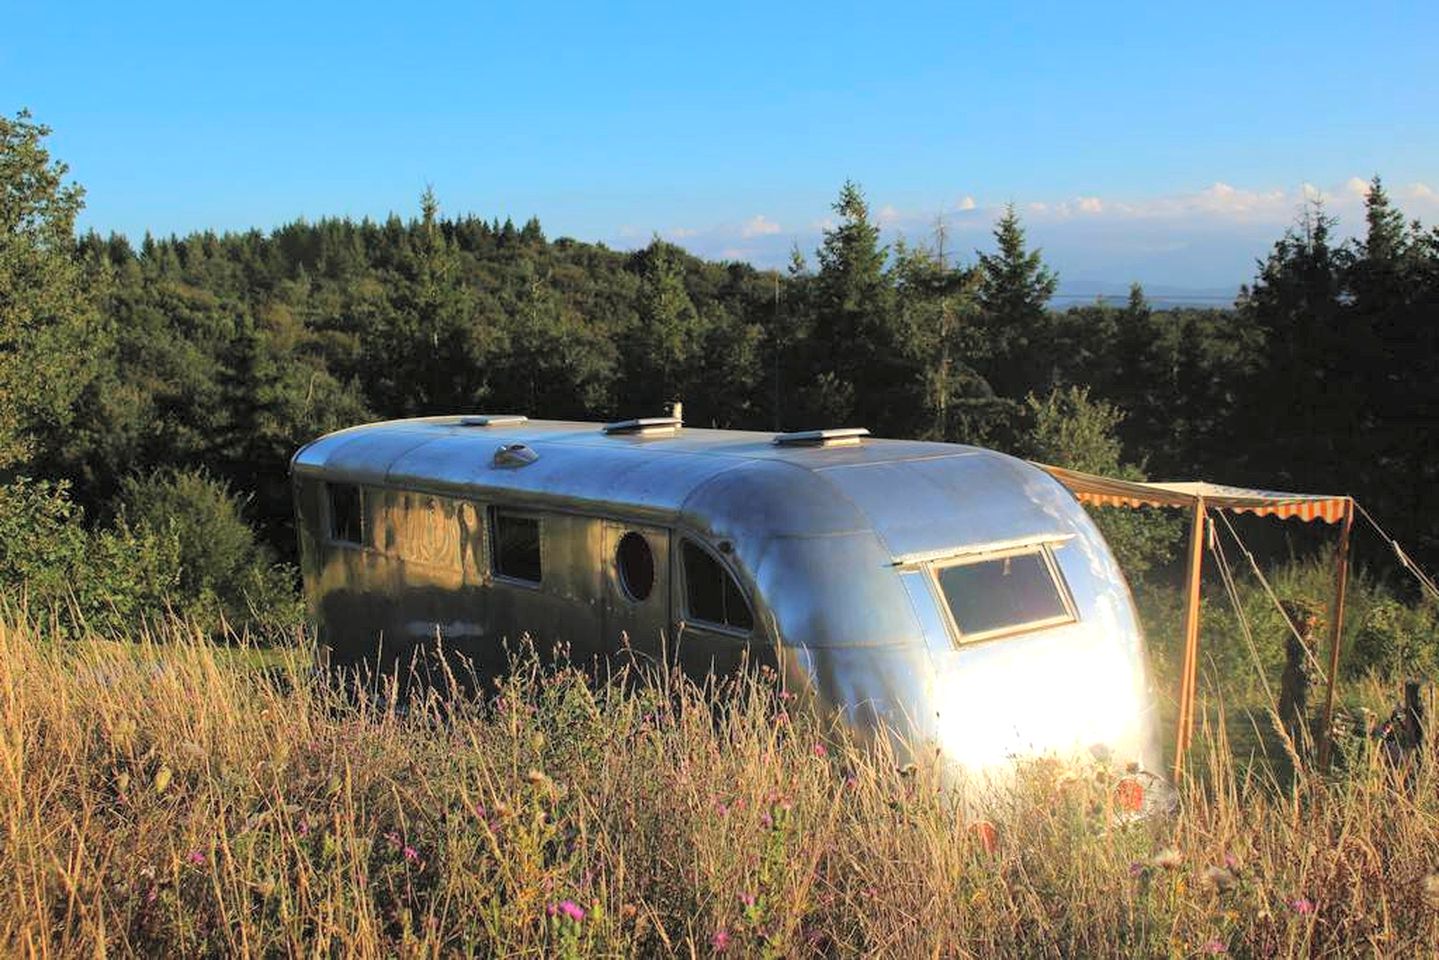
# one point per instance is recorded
(516, 546)
(346, 508)
(711, 594)
(1009, 593)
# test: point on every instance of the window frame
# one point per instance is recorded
(492, 535)
(331, 537)
(1045, 551)
(683, 580)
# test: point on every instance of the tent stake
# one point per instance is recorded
(1336, 631)
(1184, 732)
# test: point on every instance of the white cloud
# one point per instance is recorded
(1421, 191)
(681, 233)
(759, 226)
(965, 202)
(1090, 205)
(1357, 187)
(888, 216)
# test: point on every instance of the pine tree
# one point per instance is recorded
(1014, 293)
(853, 335)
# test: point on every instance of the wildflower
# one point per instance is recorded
(720, 940)
(782, 717)
(746, 900)
(196, 857)
(722, 808)
(1429, 890)
(411, 854)
(820, 750)
(1169, 859)
(851, 782)
(766, 821)
(1214, 945)
(571, 910)
(304, 829)
(1218, 877)
(1129, 795)
(1231, 862)
(1302, 906)
(1136, 869)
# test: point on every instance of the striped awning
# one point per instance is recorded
(1110, 492)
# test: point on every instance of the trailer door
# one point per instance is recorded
(636, 592)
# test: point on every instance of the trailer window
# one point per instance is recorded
(711, 594)
(517, 546)
(346, 513)
(1010, 593)
(636, 562)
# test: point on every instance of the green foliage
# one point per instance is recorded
(1015, 289)
(1070, 430)
(1395, 640)
(75, 578)
(46, 314)
(223, 572)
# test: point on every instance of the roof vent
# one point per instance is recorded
(839, 437)
(644, 426)
(515, 455)
(492, 420)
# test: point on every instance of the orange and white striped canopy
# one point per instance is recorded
(1110, 492)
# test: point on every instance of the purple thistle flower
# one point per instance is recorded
(820, 750)
(196, 857)
(1136, 869)
(1302, 906)
(1214, 945)
(572, 910)
(747, 900)
(720, 940)
(411, 854)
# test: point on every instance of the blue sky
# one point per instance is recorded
(1167, 143)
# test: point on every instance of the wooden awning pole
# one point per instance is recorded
(1336, 629)
(1184, 731)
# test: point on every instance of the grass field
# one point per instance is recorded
(175, 798)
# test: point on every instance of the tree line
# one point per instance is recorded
(159, 389)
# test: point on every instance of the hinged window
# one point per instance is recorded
(1005, 592)
(347, 514)
(516, 546)
(711, 593)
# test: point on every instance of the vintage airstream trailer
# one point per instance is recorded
(954, 593)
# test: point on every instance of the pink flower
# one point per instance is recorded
(1302, 906)
(572, 910)
(411, 854)
(1136, 869)
(1214, 945)
(820, 750)
(720, 940)
(304, 828)
(746, 900)
(196, 857)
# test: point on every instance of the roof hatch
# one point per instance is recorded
(644, 426)
(835, 437)
(492, 420)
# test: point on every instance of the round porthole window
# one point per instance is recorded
(637, 565)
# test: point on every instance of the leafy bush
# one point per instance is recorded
(108, 580)
(1070, 430)
(224, 572)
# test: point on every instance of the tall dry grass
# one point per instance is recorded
(165, 797)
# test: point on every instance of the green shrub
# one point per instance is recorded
(109, 580)
(224, 572)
